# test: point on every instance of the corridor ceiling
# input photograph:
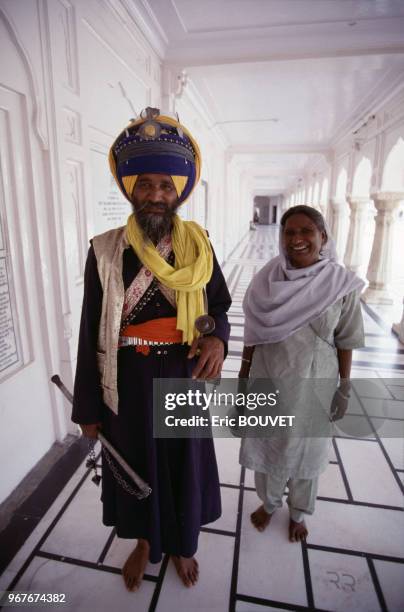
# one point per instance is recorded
(281, 79)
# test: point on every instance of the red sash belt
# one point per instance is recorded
(157, 330)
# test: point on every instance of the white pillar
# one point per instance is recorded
(398, 328)
(168, 89)
(323, 209)
(329, 214)
(357, 228)
(380, 264)
(338, 224)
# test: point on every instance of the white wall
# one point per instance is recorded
(73, 76)
(238, 203)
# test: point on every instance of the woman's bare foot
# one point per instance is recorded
(260, 518)
(135, 565)
(187, 569)
(297, 531)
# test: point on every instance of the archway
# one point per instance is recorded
(316, 194)
(393, 180)
(341, 184)
(309, 198)
(366, 219)
(340, 219)
(393, 171)
(324, 195)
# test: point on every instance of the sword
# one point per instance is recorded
(144, 489)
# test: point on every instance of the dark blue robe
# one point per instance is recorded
(181, 472)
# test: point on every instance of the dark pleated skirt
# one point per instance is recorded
(181, 472)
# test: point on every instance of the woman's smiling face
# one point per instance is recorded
(302, 240)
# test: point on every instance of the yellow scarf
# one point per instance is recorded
(193, 268)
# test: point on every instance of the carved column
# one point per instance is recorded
(322, 206)
(357, 228)
(398, 328)
(329, 214)
(380, 264)
(339, 215)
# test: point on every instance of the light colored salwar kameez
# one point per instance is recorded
(309, 353)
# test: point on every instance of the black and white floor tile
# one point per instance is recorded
(353, 558)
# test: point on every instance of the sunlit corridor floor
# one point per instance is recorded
(352, 560)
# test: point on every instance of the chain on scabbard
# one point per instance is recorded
(119, 478)
(91, 463)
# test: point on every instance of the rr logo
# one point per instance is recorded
(346, 582)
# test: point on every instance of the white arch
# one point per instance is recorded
(324, 192)
(309, 198)
(393, 171)
(362, 178)
(342, 183)
(316, 193)
(30, 73)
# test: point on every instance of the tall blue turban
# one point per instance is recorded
(155, 144)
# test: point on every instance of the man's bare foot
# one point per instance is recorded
(260, 518)
(135, 565)
(187, 569)
(297, 531)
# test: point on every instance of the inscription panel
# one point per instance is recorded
(10, 358)
(8, 341)
(111, 209)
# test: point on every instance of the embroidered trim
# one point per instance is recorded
(151, 291)
(142, 281)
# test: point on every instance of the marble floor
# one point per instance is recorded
(353, 558)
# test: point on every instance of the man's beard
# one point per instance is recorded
(154, 226)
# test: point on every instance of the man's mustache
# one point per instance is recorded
(153, 205)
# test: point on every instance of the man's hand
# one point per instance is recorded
(211, 357)
(91, 431)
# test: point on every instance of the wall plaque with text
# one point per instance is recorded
(8, 342)
(111, 209)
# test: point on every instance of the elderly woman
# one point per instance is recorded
(302, 320)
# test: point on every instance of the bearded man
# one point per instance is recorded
(143, 291)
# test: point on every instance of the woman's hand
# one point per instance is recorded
(339, 405)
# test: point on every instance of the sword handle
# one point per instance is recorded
(56, 379)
